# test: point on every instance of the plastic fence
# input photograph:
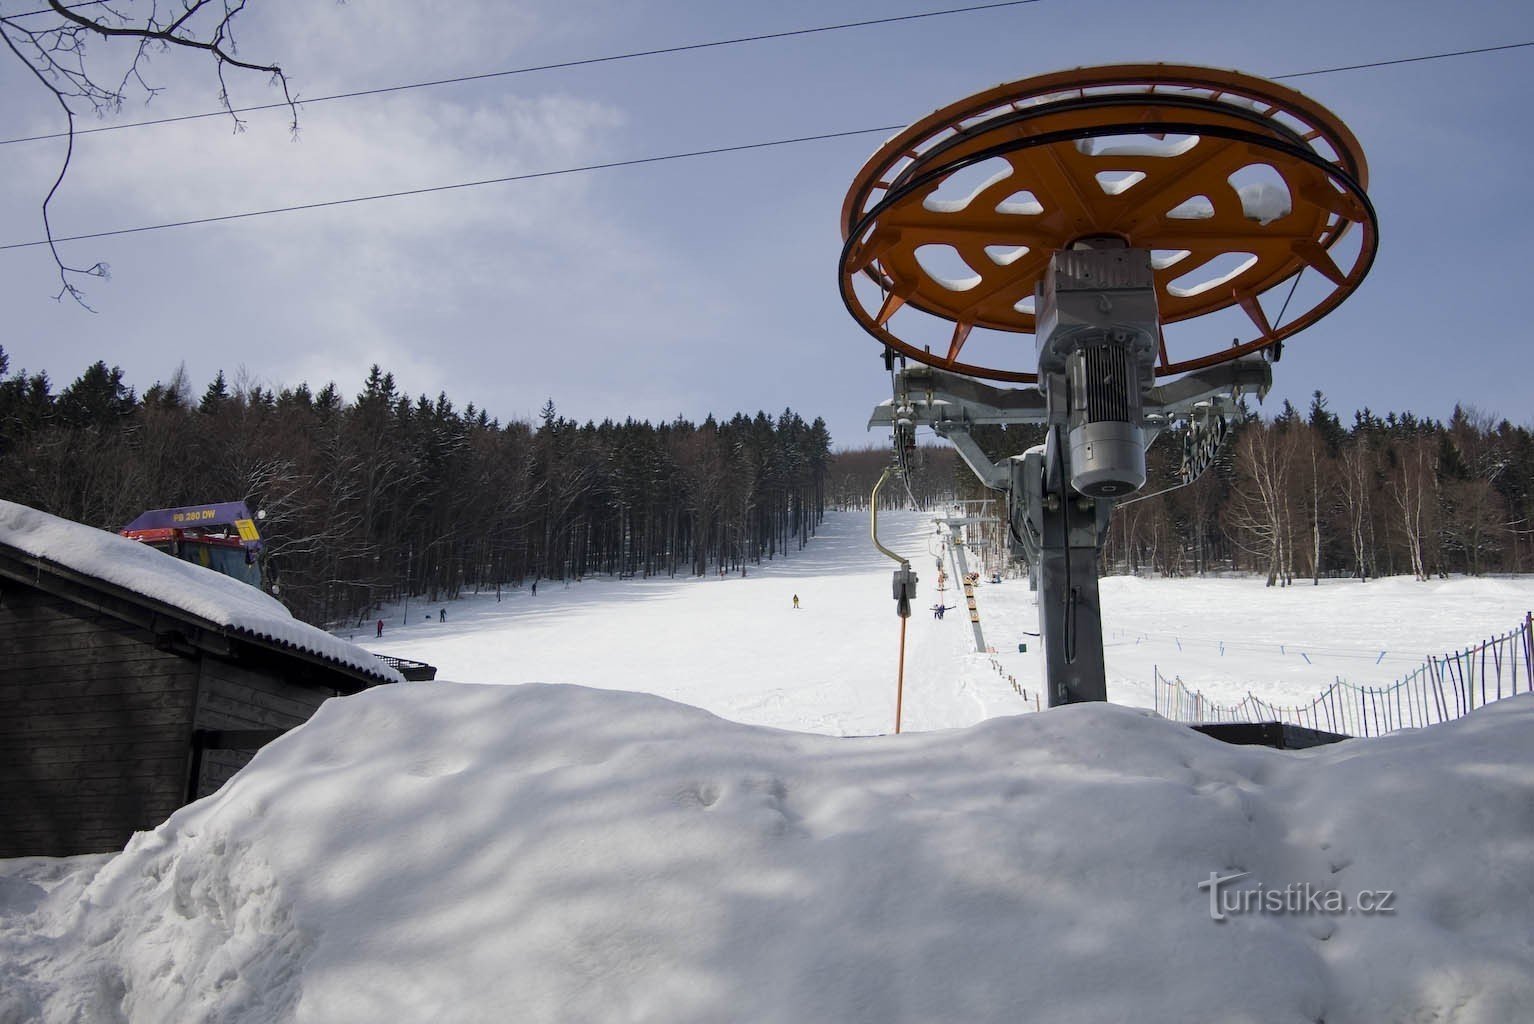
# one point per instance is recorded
(1441, 689)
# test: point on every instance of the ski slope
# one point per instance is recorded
(455, 851)
(737, 647)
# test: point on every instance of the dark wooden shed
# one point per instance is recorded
(123, 698)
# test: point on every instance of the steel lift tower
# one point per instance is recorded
(1092, 209)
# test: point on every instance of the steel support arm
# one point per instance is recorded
(997, 478)
(930, 397)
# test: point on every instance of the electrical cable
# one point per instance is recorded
(482, 76)
(901, 461)
(660, 51)
(1069, 611)
(592, 167)
(529, 176)
(50, 10)
(1401, 60)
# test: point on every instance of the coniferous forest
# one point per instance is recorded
(375, 496)
(372, 497)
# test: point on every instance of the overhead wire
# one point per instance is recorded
(50, 10)
(482, 76)
(659, 51)
(529, 176)
(634, 162)
(1401, 60)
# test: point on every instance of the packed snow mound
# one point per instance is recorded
(238, 607)
(556, 853)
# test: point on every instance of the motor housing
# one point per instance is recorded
(1097, 341)
(1107, 445)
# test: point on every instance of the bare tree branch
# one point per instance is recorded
(56, 54)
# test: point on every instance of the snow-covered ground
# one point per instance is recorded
(738, 648)
(485, 853)
(735, 645)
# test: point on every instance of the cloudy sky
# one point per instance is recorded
(706, 284)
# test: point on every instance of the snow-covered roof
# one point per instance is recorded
(235, 608)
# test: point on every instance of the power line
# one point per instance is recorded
(638, 161)
(50, 10)
(584, 62)
(1403, 60)
(531, 175)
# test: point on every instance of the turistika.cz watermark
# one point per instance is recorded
(1296, 898)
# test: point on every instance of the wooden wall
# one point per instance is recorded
(95, 728)
(97, 721)
(238, 698)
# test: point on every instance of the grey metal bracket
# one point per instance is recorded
(1055, 529)
(997, 478)
(951, 404)
(948, 402)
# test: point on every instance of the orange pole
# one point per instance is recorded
(900, 679)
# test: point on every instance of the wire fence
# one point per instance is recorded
(1308, 652)
(1441, 689)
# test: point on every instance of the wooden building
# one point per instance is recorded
(132, 683)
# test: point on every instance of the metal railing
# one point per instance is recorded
(413, 671)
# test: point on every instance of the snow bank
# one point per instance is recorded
(553, 853)
(226, 602)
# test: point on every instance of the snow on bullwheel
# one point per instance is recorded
(1092, 209)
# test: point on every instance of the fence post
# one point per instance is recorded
(1372, 715)
(1528, 650)
(1496, 663)
(1436, 673)
(1483, 672)
(1461, 697)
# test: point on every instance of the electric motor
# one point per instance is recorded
(1097, 338)
(1107, 448)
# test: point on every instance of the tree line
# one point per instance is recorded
(932, 477)
(1291, 496)
(1302, 496)
(1297, 496)
(382, 496)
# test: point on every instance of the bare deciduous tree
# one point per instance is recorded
(1259, 510)
(1358, 481)
(1411, 488)
(54, 42)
